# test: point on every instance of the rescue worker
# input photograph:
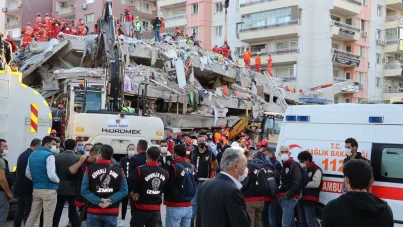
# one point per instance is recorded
(310, 194)
(205, 162)
(156, 28)
(81, 30)
(73, 30)
(96, 31)
(258, 62)
(170, 142)
(166, 157)
(56, 28)
(119, 27)
(263, 144)
(290, 186)
(146, 185)
(104, 185)
(125, 165)
(215, 49)
(129, 18)
(179, 208)
(177, 32)
(11, 41)
(38, 19)
(43, 35)
(246, 57)
(225, 51)
(127, 108)
(162, 29)
(179, 138)
(5, 53)
(27, 33)
(269, 65)
(137, 28)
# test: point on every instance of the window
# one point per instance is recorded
(268, 18)
(362, 51)
(379, 10)
(348, 48)
(257, 48)
(334, 18)
(89, 18)
(348, 75)
(292, 45)
(145, 25)
(284, 73)
(379, 34)
(89, 1)
(378, 82)
(335, 46)
(123, 2)
(335, 73)
(239, 51)
(179, 12)
(378, 59)
(218, 31)
(122, 17)
(391, 34)
(363, 25)
(364, 2)
(400, 33)
(194, 8)
(144, 7)
(194, 30)
(349, 21)
(348, 100)
(392, 162)
(218, 7)
(359, 77)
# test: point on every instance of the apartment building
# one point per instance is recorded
(2, 15)
(18, 13)
(90, 10)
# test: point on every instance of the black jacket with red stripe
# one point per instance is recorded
(312, 193)
(249, 189)
(172, 197)
(148, 181)
(290, 179)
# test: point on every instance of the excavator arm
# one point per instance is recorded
(108, 56)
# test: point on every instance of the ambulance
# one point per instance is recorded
(378, 129)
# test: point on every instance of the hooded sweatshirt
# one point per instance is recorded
(357, 209)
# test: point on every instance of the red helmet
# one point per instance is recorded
(169, 135)
(221, 139)
(179, 134)
(188, 141)
(264, 143)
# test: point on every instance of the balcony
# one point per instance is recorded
(393, 21)
(393, 94)
(13, 6)
(345, 59)
(66, 11)
(345, 32)
(249, 7)
(262, 33)
(393, 70)
(346, 7)
(176, 20)
(280, 57)
(394, 4)
(392, 46)
(144, 14)
(170, 4)
(12, 24)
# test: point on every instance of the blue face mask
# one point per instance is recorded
(80, 148)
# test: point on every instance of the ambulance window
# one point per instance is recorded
(392, 163)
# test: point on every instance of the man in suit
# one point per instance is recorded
(228, 208)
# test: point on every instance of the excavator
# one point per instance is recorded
(94, 109)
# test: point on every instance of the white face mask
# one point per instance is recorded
(284, 157)
(243, 176)
(131, 153)
(164, 149)
(347, 151)
(303, 165)
(87, 153)
(5, 153)
(53, 149)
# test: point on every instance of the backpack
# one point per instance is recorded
(188, 187)
(262, 182)
(304, 178)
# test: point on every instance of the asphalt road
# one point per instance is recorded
(64, 220)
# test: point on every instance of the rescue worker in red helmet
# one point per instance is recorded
(179, 138)
(27, 33)
(264, 143)
(171, 143)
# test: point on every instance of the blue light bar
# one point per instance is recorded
(375, 120)
(303, 118)
(290, 118)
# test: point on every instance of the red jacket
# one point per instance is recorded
(12, 43)
(215, 50)
(225, 52)
(129, 18)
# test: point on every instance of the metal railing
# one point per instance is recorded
(337, 51)
(354, 2)
(269, 26)
(176, 17)
(12, 23)
(393, 66)
(12, 5)
(276, 52)
(393, 18)
(393, 90)
(346, 26)
(66, 10)
(392, 41)
(244, 3)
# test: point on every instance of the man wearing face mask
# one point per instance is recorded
(141, 157)
(228, 207)
(202, 158)
(290, 186)
(23, 186)
(310, 194)
(41, 170)
(68, 184)
(351, 151)
(166, 157)
(5, 183)
(80, 147)
(125, 164)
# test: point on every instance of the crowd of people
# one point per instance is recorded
(203, 180)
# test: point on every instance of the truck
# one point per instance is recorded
(322, 130)
(94, 111)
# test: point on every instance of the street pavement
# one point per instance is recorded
(64, 220)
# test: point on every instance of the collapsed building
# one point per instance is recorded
(186, 86)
